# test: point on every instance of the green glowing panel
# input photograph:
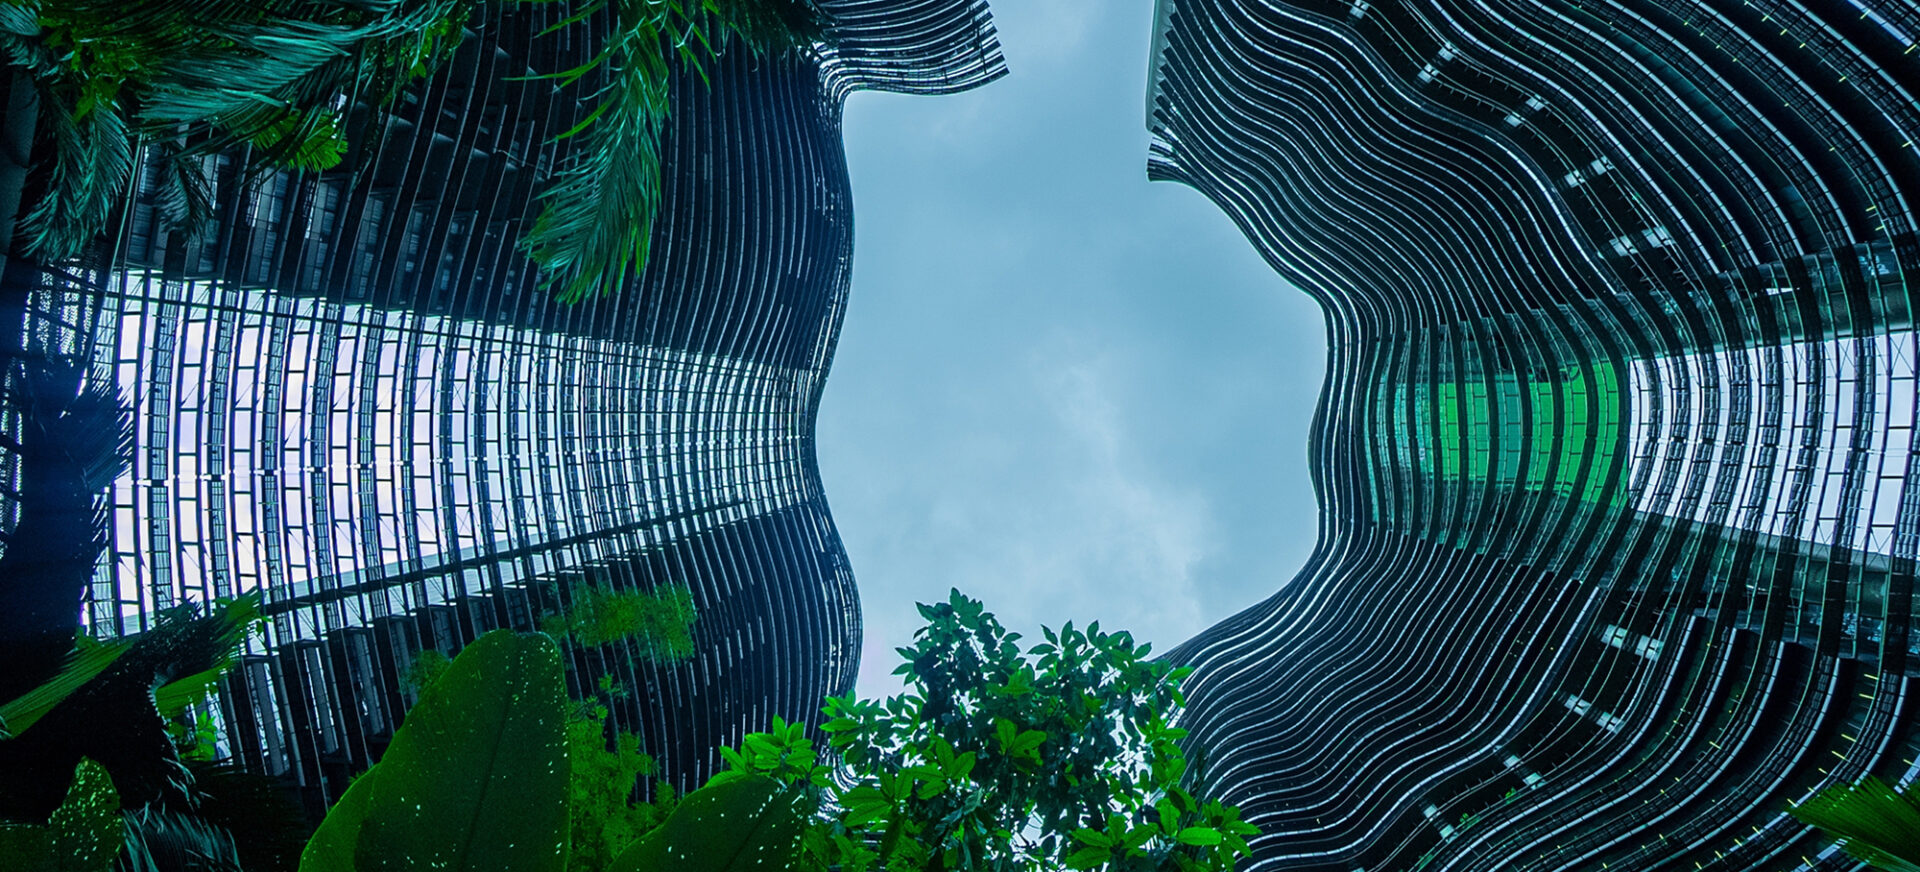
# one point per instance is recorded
(1474, 430)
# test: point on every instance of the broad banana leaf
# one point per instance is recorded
(332, 845)
(84, 834)
(475, 780)
(734, 824)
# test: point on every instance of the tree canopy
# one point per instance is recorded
(1061, 755)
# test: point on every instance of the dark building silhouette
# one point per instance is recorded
(1615, 450)
(354, 398)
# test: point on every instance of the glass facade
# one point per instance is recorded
(353, 398)
(1617, 546)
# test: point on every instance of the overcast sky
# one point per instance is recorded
(1065, 390)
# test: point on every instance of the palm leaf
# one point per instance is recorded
(88, 659)
(92, 158)
(186, 195)
(770, 26)
(1881, 826)
(596, 220)
(166, 841)
(74, 438)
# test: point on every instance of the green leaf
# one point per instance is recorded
(86, 826)
(1090, 836)
(88, 659)
(921, 772)
(1087, 858)
(1198, 836)
(1169, 816)
(1881, 826)
(734, 826)
(82, 835)
(331, 847)
(476, 778)
(865, 804)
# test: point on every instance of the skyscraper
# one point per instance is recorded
(353, 398)
(1614, 454)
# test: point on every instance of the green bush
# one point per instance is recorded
(658, 623)
(1061, 755)
(605, 816)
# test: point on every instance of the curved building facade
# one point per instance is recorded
(354, 398)
(1614, 455)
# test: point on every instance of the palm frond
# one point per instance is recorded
(160, 840)
(230, 80)
(113, 718)
(189, 641)
(20, 19)
(186, 195)
(75, 437)
(88, 659)
(92, 158)
(303, 140)
(596, 220)
(1881, 825)
(425, 35)
(770, 26)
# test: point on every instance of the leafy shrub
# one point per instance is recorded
(605, 816)
(995, 758)
(658, 623)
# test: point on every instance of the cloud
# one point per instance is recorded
(1078, 526)
(1071, 393)
(1047, 32)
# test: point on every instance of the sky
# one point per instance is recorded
(1067, 391)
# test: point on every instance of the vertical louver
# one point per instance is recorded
(355, 399)
(1615, 449)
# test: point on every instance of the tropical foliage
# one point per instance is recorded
(998, 758)
(658, 623)
(736, 823)
(605, 815)
(73, 438)
(1058, 756)
(81, 835)
(597, 217)
(281, 78)
(475, 779)
(103, 707)
(196, 79)
(1881, 825)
